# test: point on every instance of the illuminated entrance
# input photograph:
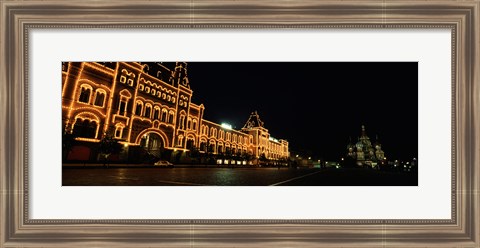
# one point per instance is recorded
(152, 143)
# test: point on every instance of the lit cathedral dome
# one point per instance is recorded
(359, 144)
(364, 152)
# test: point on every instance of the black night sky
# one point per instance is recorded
(316, 106)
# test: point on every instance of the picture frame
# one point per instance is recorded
(19, 230)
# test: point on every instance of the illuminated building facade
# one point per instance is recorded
(147, 106)
(364, 152)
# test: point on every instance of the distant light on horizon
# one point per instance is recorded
(226, 126)
(273, 139)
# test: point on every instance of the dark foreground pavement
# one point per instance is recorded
(154, 176)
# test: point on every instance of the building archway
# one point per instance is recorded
(162, 135)
(152, 143)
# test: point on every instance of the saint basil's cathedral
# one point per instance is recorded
(364, 153)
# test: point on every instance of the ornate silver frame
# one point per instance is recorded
(19, 17)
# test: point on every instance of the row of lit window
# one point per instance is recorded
(163, 114)
(85, 95)
(157, 93)
(221, 135)
(275, 147)
(220, 148)
(128, 78)
(191, 123)
(157, 114)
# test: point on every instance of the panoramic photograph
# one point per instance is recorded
(239, 123)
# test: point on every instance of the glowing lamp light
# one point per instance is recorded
(226, 126)
(272, 139)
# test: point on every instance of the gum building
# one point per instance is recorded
(148, 108)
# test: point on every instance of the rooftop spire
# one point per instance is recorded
(253, 121)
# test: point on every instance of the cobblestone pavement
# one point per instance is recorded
(154, 176)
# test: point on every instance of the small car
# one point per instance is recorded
(164, 163)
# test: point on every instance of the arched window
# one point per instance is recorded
(189, 123)
(211, 147)
(99, 98)
(164, 115)
(220, 148)
(119, 131)
(85, 92)
(211, 132)
(222, 133)
(122, 106)
(171, 115)
(156, 113)
(180, 140)
(148, 110)
(194, 124)
(147, 89)
(138, 108)
(182, 121)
